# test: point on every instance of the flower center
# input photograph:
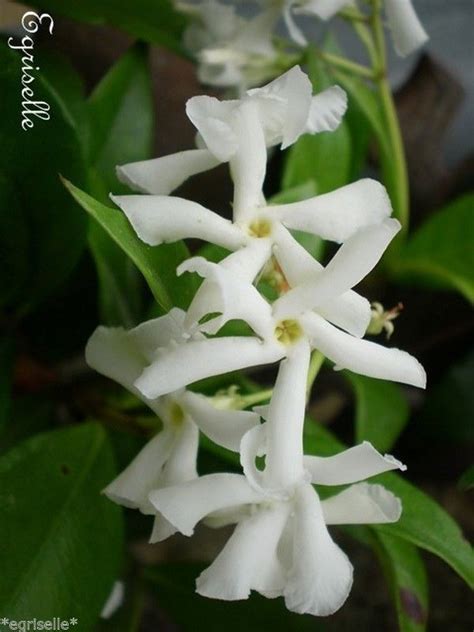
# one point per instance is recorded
(260, 228)
(176, 414)
(288, 331)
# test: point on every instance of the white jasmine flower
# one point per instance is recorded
(170, 456)
(407, 31)
(239, 131)
(231, 50)
(281, 545)
(317, 308)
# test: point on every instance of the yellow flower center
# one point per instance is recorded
(260, 228)
(176, 414)
(288, 331)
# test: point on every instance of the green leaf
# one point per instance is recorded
(122, 118)
(175, 592)
(440, 252)
(61, 540)
(466, 482)
(406, 575)
(14, 246)
(381, 411)
(423, 523)
(31, 160)
(153, 21)
(324, 158)
(6, 371)
(157, 264)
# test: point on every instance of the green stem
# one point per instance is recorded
(346, 64)
(255, 398)
(315, 365)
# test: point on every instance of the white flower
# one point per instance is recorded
(407, 31)
(238, 132)
(317, 308)
(170, 457)
(231, 50)
(281, 545)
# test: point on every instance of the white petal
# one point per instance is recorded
(362, 356)
(212, 119)
(161, 218)
(320, 578)
(339, 214)
(284, 460)
(161, 176)
(162, 529)
(326, 111)
(196, 360)
(362, 504)
(159, 332)
(293, 29)
(114, 600)
(224, 427)
(248, 261)
(255, 35)
(186, 504)
(181, 464)
(249, 162)
(132, 486)
(228, 294)
(407, 31)
(284, 105)
(353, 465)
(350, 311)
(324, 9)
(254, 443)
(352, 262)
(249, 560)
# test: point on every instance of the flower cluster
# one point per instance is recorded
(234, 51)
(281, 545)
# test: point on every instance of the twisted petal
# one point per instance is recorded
(159, 218)
(186, 504)
(163, 175)
(293, 29)
(284, 105)
(249, 260)
(160, 332)
(350, 311)
(320, 577)
(224, 427)
(132, 486)
(162, 529)
(362, 504)
(181, 464)
(212, 119)
(353, 465)
(407, 31)
(338, 215)
(324, 9)
(196, 360)
(249, 560)
(254, 443)
(326, 111)
(225, 292)
(362, 356)
(352, 262)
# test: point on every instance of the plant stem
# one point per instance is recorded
(255, 398)
(346, 64)
(315, 365)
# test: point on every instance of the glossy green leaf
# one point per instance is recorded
(157, 264)
(121, 120)
(32, 160)
(174, 586)
(60, 539)
(441, 251)
(324, 158)
(423, 523)
(406, 575)
(381, 411)
(14, 246)
(153, 21)
(466, 482)
(6, 370)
